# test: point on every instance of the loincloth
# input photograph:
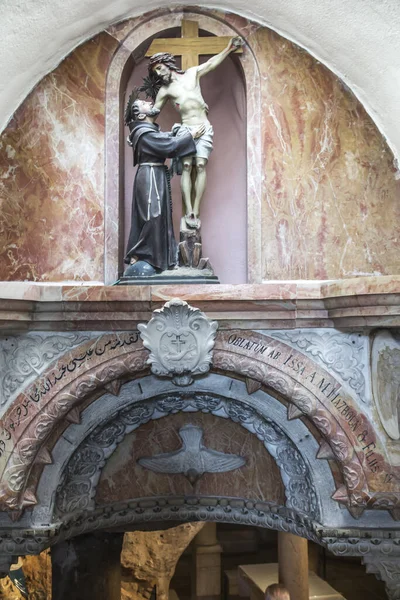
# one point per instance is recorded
(204, 144)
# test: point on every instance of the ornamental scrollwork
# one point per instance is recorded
(23, 357)
(345, 354)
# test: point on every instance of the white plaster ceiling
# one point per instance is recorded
(357, 39)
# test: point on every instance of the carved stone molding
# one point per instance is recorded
(371, 545)
(156, 510)
(343, 353)
(387, 570)
(363, 543)
(180, 339)
(24, 357)
(78, 487)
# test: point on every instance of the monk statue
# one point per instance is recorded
(151, 246)
(182, 88)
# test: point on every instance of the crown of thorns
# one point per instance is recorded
(164, 58)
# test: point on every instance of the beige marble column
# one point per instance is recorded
(293, 565)
(206, 580)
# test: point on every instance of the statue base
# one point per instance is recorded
(179, 276)
(193, 267)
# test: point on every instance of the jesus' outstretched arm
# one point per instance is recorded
(216, 60)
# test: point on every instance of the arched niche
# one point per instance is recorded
(238, 200)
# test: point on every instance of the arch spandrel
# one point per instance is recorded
(259, 358)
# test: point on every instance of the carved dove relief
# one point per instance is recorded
(193, 459)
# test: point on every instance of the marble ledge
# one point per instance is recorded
(361, 302)
(268, 290)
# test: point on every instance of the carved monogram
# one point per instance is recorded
(180, 339)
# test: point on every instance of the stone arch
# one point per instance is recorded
(81, 375)
(78, 487)
(145, 399)
(116, 81)
(101, 383)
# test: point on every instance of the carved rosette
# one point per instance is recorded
(181, 340)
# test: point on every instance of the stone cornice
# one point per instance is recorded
(342, 542)
(360, 302)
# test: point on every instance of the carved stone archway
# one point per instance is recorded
(97, 366)
(80, 378)
(77, 488)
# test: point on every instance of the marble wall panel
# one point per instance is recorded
(51, 173)
(123, 478)
(330, 193)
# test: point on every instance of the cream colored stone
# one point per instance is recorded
(149, 558)
(207, 563)
(254, 579)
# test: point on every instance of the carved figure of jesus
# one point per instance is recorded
(182, 88)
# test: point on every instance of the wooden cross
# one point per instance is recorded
(190, 46)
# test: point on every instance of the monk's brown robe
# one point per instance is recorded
(151, 236)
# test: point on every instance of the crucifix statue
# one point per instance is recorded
(182, 88)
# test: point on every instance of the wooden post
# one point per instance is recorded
(293, 565)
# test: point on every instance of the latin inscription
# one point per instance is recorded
(314, 379)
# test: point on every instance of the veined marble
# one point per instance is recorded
(327, 205)
(51, 174)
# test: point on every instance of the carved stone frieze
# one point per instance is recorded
(24, 357)
(180, 339)
(78, 487)
(346, 354)
(159, 509)
(371, 545)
